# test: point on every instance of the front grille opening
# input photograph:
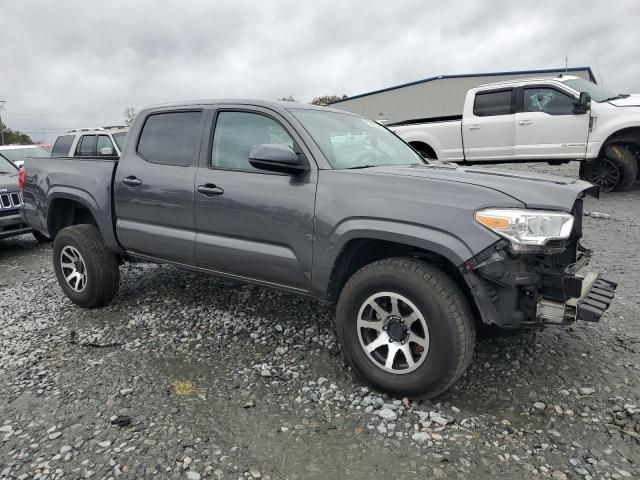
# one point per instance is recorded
(5, 200)
(15, 199)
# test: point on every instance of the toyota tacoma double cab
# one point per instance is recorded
(551, 120)
(330, 205)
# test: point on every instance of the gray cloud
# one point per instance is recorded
(75, 63)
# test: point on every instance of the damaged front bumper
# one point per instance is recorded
(534, 290)
(595, 298)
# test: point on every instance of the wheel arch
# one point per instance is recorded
(424, 147)
(363, 250)
(629, 135)
(69, 207)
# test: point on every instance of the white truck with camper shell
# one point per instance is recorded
(553, 119)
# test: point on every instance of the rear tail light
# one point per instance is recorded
(22, 177)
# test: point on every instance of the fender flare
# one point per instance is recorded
(452, 248)
(102, 216)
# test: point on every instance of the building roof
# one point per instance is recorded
(470, 75)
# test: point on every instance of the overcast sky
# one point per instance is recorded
(67, 64)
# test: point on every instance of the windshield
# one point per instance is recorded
(349, 141)
(598, 94)
(20, 154)
(119, 138)
(6, 166)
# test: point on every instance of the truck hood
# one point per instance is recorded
(630, 101)
(8, 182)
(535, 191)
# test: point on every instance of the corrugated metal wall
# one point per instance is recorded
(440, 97)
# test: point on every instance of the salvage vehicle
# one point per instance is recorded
(554, 120)
(11, 222)
(327, 204)
(18, 153)
(90, 142)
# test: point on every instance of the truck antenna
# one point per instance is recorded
(599, 74)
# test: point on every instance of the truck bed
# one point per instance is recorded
(87, 179)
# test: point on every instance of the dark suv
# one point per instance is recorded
(11, 223)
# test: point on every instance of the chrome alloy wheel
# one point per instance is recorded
(393, 332)
(73, 268)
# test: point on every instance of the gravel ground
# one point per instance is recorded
(186, 376)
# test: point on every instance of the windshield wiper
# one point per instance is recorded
(358, 167)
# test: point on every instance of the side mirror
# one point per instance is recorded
(277, 157)
(583, 105)
(106, 151)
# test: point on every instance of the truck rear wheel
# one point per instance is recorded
(86, 269)
(405, 328)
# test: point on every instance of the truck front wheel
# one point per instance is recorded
(626, 162)
(86, 269)
(600, 171)
(405, 327)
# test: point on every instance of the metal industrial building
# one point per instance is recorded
(436, 96)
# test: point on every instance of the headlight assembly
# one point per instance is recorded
(526, 228)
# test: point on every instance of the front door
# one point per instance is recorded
(252, 223)
(154, 187)
(548, 128)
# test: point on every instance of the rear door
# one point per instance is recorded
(154, 186)
(546, 125)
(488, 131)
(252, 223)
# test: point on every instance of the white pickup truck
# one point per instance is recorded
(553, 120)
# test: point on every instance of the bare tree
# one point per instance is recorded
(326, 99)
(129, 113)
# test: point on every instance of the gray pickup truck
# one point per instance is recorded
(330, 205)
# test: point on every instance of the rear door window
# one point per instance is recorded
(171, 138)
(62, 146)
(492, 103)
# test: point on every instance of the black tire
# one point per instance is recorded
(626, 162)
(98, 262)
(450, 326)
(40, 238)
(601, 171)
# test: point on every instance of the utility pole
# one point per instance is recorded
(566, 64)
(2, 102)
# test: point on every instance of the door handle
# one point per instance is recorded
(132, 181)
(525, 122)
(209, 190)
(474, 127)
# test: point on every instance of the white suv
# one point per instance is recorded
(90, 142)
